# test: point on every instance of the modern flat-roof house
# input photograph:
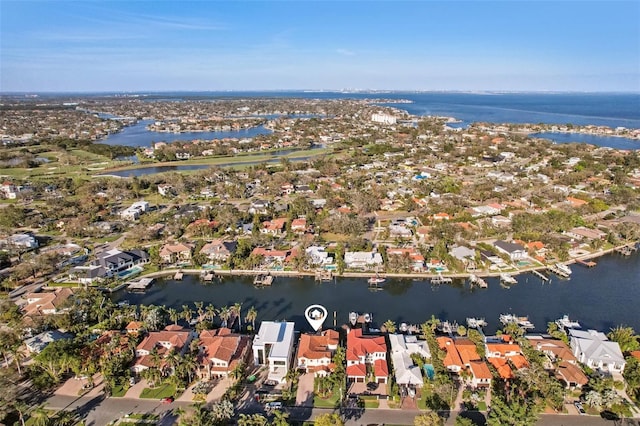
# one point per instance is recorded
(273, 347)
(134, 211)
(596, 351)
(108, 264)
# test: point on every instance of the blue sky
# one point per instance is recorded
(264, 45)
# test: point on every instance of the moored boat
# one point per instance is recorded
(508, 279)
(563, 268)
(565, 322)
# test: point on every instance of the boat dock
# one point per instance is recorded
(263, 280)
(208, 276)
(554, 269)
(140, 285)
(178, 276)
(477, 281)
(540, 275)
(588, 263)
(441, 280)
(627, 250)
(324, 275)
(507, 279)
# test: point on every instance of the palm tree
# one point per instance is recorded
(251, 316)
(390, 326)
(199, 309)
(187, 313)
(21, 407)
(211, 311)
(173, 315)
(237, 310)
(238, 370)
(280, 418)
(224, 313)
(65, 418)
(40, 416)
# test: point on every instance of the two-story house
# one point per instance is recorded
(219, 250)
(594, 349)
(402, 347)
(108, 264)
(273, 347)
(221, 351)
(172, 338)
(315, 352)
(503, 353)
(366, 350)
(461, 355)
(513, 250)
(362, 259)
(176, 253)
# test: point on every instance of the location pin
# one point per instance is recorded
(315, 315)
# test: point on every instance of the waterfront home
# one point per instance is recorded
(594, 349)
(221, 351)
(108, 264)
(362, 259)
(165, 189)
(402, 347)
(37, 343)
(134, 327)
(176, 253)
(412, 253)
(270, 256)
(315, 352)
(46, 303)
(462, 253)
(513, 250)
(561, 360)
(582, 233)
(134, 211)
(462, 354)
(503, 353)
(172, 338)
(218, 250)
(366, 350)
(274, 227)
(273, 347)
(318, 256)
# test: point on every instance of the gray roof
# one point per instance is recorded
(40, 341)
(508, 247)
(596, 347)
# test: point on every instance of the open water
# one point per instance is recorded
(599, 298)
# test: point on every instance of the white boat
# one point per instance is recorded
(563, 268)
(514, 319)
(475, 280)
(376, 280)
(353, 318)
(565, 322)
(508, 279)
(476, 322)
(367, 317)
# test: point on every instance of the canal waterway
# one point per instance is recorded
(605, 141)
(600, 298)
(138, 136)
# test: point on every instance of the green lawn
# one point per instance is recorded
(119, 391)
(332, 401)
(371, 403)
(482, 406)
(162, 391)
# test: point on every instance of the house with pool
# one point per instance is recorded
(111, 263)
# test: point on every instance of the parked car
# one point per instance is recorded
(579, 407)
(273, 405)
(167, 400)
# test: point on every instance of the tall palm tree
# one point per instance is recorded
(237, 310)
(199, 309)
(187, 313)
(390, 326)
(251, 316)
(224, 313)
(211, 312)
(40, 416)
(65, 418)
(173, 315)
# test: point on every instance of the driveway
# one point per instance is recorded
(135, 390)
(74, 387)
(304, 397)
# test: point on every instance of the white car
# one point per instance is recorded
(273, 405)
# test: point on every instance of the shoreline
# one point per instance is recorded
(368, 274)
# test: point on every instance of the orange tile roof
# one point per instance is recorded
(480, 370)
(359, 346)
(357, 370)
(503, 368)
(317, 347)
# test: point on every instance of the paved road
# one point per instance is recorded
(99, 411)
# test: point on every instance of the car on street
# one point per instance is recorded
(167, 400)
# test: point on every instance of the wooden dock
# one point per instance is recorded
(441, 280)
(557, 271)
(141, 285)
(324, 275)
(627, 250)
(263, 280)
(477, 281)
(587, 263)
(208, 276)
(178, 276)
(540, 275)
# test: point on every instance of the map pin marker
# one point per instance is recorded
(315, 315)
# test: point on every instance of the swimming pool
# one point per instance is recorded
(128, 273)
(429, 371)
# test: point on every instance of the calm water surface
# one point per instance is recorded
(599, 298)
(606, 141)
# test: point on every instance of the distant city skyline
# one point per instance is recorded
(120, 46)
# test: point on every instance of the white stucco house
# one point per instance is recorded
(596, 351)
(273, 347)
